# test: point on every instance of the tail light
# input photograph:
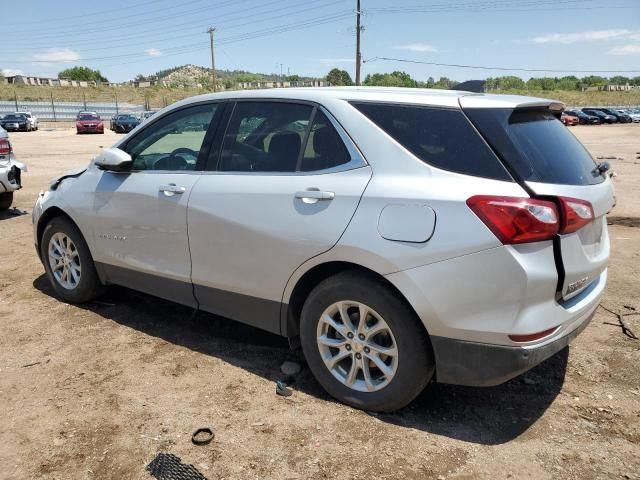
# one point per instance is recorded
(517, 220)
(576, 214)
(5, 146)
(523, 220)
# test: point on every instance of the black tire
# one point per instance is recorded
(6, 199)
(89, 286)
(415, 365)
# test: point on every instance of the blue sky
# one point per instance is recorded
(125, 37)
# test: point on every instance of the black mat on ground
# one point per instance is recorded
(167, 466)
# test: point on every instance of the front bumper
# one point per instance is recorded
(124, 128)
(460, 362)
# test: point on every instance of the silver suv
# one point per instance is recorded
(397, 236)
(10, 171)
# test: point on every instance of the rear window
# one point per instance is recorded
(537, 146)
(442, 138)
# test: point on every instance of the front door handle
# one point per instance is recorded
(313, 196)
(172, 189)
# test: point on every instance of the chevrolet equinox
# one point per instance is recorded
(396, 235)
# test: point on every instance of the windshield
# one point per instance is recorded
(88, 117)
(127, 117)
(537, 146)
(14, 117)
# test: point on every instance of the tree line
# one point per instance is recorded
(339, 77)
(403, 79)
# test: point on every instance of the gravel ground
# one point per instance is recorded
(97, 391)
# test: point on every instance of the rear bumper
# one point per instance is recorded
(460, 362)
(10, 178)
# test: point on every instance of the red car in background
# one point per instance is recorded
(569, 119)
(89, 123)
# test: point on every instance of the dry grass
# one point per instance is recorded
(160, 96)
(631, 98)
(155, 96)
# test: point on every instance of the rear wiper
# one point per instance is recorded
(602, 168)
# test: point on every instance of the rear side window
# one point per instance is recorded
(324, 148)
(439, 137)
(537, 146)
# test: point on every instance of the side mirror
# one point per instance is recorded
(114, 160)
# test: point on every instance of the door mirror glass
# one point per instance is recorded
(114, 160)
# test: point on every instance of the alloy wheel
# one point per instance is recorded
(357, 346)
(64, 260)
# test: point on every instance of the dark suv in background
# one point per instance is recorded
(604, 117)
(124, 123)
(621, 117)
(584, 118)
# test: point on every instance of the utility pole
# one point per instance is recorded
(213, 61)
(281, 77)
(358, 54)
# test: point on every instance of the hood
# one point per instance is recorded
(76, 172)
(89, 122)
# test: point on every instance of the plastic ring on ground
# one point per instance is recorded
(202, 436)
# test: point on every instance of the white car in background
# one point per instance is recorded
(10, 171)
(31, 119)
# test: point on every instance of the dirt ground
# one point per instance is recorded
(97, 391)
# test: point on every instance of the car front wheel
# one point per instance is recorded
(364, 344)
(68, 262)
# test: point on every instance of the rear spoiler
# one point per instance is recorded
(515, 102)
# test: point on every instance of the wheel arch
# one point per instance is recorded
(46, 217)
(290, 321)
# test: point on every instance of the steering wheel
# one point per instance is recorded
(185, 150)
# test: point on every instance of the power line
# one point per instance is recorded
(56, 19)
(239, 14)
(483, 67)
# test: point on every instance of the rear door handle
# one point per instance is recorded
(312, 196)
(172, 189)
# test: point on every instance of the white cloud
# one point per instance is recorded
(154, 52)
(594, 35)
(10, 72)
(56, 55)
(417, 47)
(332, 61)
(625, 50)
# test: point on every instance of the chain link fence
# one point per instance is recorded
(54, 111)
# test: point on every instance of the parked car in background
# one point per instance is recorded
(17, 122)
(604, 117)
(85, 112)
(89, 123)
(32, 119)
(633, 113)
(304, 212)
(146, 114)
(584, 119)
(124, 123)
(620, 117)
(10, 171)
(569, 119)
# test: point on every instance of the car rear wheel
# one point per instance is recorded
(6, 199)
(364, 344)
(68, 262)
